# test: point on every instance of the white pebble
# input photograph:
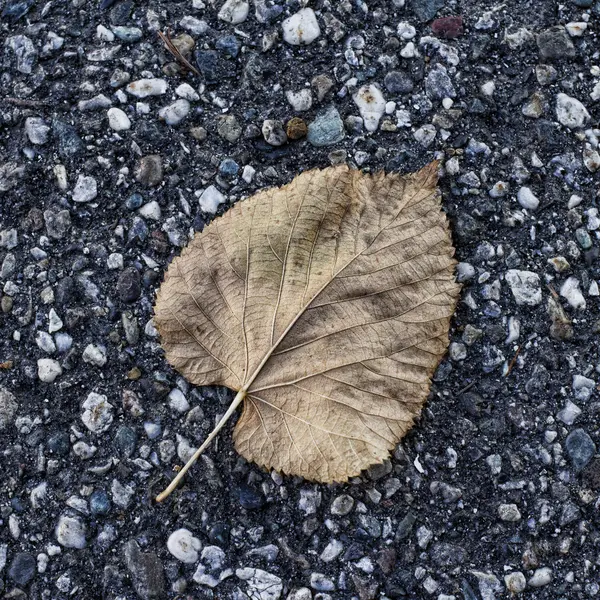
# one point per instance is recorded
(185, 90)
(45, 342)
(175, 113)
(574, 201)
(177, 401)
(97, 413)
(118, 120)
(527, 199)
(48, 369)
(406, 31)
(184, 546)
(301, 28)
(525, 286)
(104, 34)
(248, 173)
(151, 211)
(54, 321)
(86, 189)
(210, 199)
(95, 355)
(300, 100)
(572, 294)
(234, 11)
(114, 261)
(70, 532)
(142, 88)
(541, 577)
(371, 105)
(570, 112)
(576, 28)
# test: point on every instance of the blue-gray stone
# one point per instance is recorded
(99, 503)
(69, 143)
(583, 3)
(22, 568)
(426, 9)
(58, 443)
(134, 201)
(229, 169)
(580, 448)
(228, 45)
(125, 440)
(326, 129)
(127, 34)
(249, 497)
(13, 11)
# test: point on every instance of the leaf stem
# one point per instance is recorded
(232, 407)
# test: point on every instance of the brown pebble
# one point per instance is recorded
(296, 128)
(448, 27)
(134, 374)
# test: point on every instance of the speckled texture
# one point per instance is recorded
(495, 490)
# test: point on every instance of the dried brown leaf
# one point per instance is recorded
(326, 304)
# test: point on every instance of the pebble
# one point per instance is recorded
(86, 189)
(426, 9)
(8, 407)
(250, 498)
(195, 26)
(22, 568)
(527, 199)
(99, 503)
(57, 223)
(142, 88)
(149, 170)
(234, 11)
(48, 369)
(122, 495)
(302, 28)
(175, 113)
(570, 291)
(36, 130)
(210, 200)
(438, 84)
(146, 571)
(327, 128)
(127, 34)
(310, 500)
(177, 401)
(185, 90)
(398, 82)
(555, 44)
(301, 100)
(118, 120)
(95, 355)
(569, 413)
(25, 52)
(273, 132)
(70, 532)
(321, 583)
(96, 103)
(184, 546)
(129, 285)
(342, 505)
(261, 585)
(541, 577)
(525, 286)
(97, 413)
(515, 582)
(580, 448)
(371, 105)
(229, 128)
(509, 512)
(570, 112)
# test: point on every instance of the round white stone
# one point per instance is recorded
(234, 11)
(184, 546)
(300, 100)
(97, 413)
(48, 369)
(175, 113)
(142, 88)
(118, 120)
(371, 105)
(86, 189)
(210, 199)
(527, 199)
(301, 28)
(70, 532)
(570, 112)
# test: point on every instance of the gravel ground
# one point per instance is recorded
(112, 154)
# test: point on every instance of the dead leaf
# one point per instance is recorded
(326, 304)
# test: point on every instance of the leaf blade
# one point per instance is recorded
(348, 288)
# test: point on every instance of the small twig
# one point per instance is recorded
(466, 388)
(26, 103)
(172, 48)
(552, 291)
(512, 362)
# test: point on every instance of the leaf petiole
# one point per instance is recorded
(232, 407)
